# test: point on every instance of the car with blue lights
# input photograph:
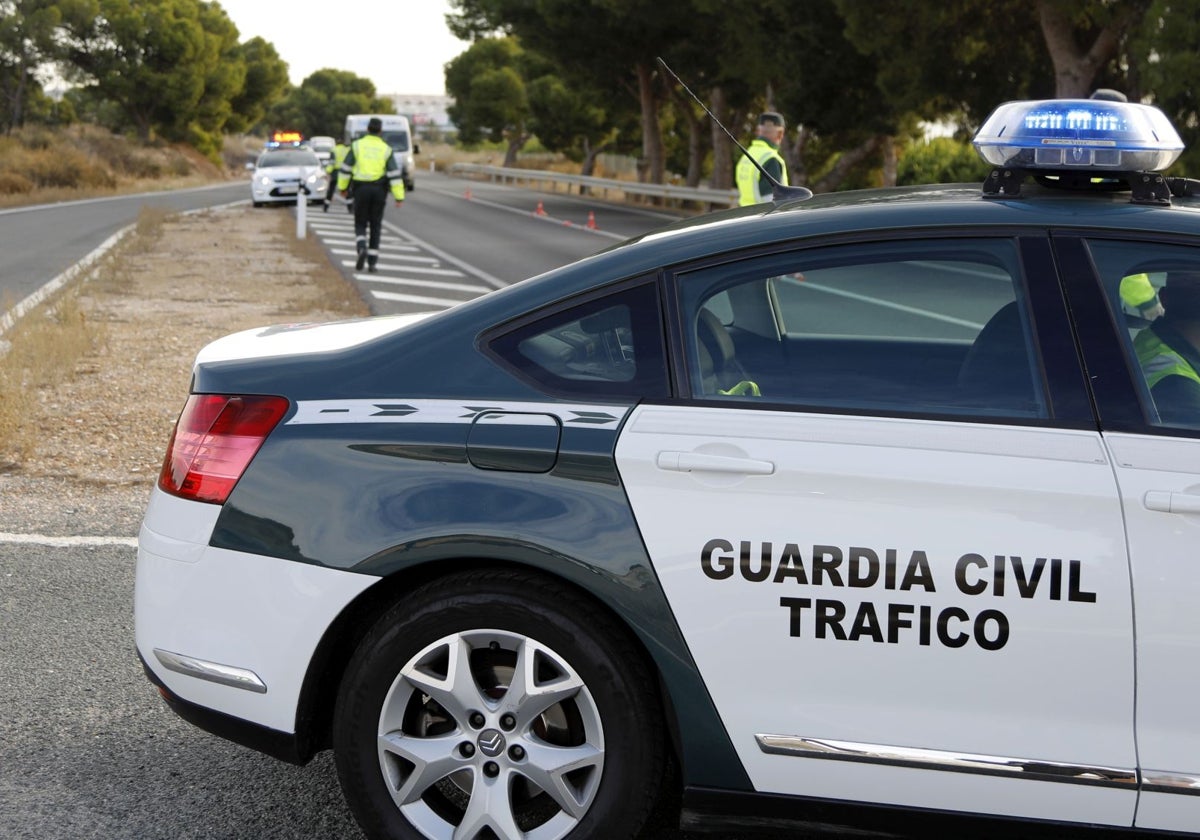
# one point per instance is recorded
(283, 174)
(842, 509)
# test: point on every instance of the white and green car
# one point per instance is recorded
(836, 510)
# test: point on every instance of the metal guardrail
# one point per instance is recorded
(589, 185)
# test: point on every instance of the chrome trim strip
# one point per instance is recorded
(1163, 781)
(921, 759)
(211, 671)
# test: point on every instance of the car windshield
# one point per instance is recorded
(398, 140)
(288, 157)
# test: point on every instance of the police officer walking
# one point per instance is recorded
(369, 168)
(332, 169)
(753, 186)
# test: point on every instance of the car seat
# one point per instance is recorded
(720, 370)
(995, 372)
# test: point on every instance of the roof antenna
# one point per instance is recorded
(779, 192)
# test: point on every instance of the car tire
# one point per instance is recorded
(258, 204)
(422, 749)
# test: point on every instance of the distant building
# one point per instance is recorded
(426, 112)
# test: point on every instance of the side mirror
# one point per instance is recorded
(250, 166)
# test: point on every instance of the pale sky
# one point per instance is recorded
(400, 45)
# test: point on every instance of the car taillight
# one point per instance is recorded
(213, 442)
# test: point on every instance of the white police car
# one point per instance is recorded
(284, 174)
(831, 510)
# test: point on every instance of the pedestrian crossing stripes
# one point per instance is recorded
(418, 282)
(444, 272)
(410, 277)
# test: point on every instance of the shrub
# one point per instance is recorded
(942, 160)
(68, 167)
(14, 183)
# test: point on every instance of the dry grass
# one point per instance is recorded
(47, 346)
(41, 351)
(329, 290)
(39, 165)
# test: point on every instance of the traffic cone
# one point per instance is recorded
(540, 211)
(591, 222)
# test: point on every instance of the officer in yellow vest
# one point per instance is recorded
(753, 187)
(332, 168)
(371, 167)
(1168, 351)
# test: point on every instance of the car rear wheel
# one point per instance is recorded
(498, 704)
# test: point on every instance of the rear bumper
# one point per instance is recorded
(229, 632)
(285, 746)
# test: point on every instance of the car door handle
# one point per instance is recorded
(701, 462)
(1169, 502)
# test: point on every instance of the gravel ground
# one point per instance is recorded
(101, 435)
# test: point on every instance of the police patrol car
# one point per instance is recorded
(827, 510)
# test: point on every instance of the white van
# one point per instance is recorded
(398, 135)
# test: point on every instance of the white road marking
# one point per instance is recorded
(427, 284)
(429, 301)
(445, 272)
(67, 542)
(887, 304)
(495, 282)
(385, 252)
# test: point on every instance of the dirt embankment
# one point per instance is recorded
(100, 435)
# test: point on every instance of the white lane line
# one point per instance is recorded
(330, 226)
(496, 282)
(429, 301)
(887, 304)
(444, 272)
(407, 249)
(67, 542)
(993, 274)
(385, 252)
(9, 318)
(425, 284)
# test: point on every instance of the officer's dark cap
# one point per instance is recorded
(771, 118)
(374, 125)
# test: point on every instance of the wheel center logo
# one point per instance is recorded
(491, 742)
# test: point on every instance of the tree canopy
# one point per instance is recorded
(321, 102)
(857, 81)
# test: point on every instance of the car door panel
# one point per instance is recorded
(1157, 468)
(904, 577)
(1166, 586)
(851, 594)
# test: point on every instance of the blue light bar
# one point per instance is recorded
(1078, 134)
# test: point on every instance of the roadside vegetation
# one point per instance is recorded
(42, 350)
(47, 346)
(63, 339)
(40, 164)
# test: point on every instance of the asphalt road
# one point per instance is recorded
(39, 243)
(454, 239)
